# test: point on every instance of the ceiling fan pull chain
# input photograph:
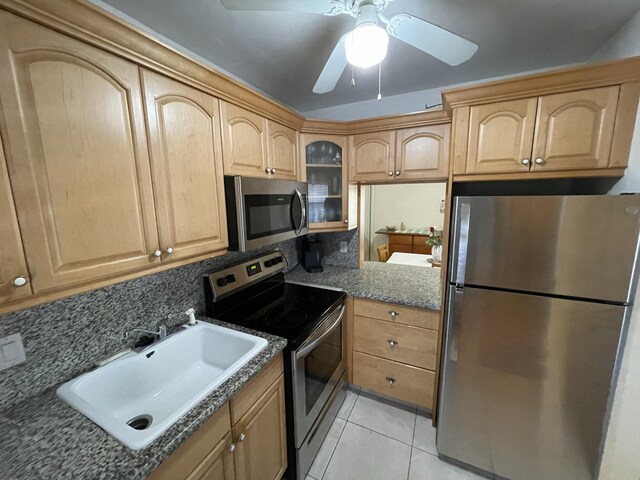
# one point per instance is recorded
(353, 76)
(380, 81)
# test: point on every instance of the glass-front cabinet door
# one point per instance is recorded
(326, 174)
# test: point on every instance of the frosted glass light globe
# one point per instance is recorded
(366, 45)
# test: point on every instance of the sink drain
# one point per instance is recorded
(141, 422)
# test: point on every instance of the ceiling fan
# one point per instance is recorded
(366, 44)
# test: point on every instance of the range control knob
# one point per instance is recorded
(231, 278)
(222, 281)
(278, 259)
(268, 263)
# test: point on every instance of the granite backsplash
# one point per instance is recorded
(66, 337)
(332, 253)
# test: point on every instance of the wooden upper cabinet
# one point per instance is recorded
(260, 438)
(282, 151)
(373, 156)
(79, 164)
(501, 136)
(423, 153)
(574, 130)
(244, 140)
(186, 161)
(13, 268)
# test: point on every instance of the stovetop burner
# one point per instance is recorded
(285, 319)
(312, 298)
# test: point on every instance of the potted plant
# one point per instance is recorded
(435, 241)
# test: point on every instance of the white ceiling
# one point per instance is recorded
(282, 53)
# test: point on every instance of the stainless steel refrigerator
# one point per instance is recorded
(539, 294)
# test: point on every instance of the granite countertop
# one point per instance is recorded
(402, 284)
(42, 437)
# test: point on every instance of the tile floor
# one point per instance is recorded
(373, 439)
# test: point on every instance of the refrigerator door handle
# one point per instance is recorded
(463, 242)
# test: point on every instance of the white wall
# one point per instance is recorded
(417, 205)
(621, 458)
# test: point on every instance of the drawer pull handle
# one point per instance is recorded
(391, 380)
(393, 313)
(392, 343)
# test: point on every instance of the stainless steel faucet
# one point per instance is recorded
(161, 333)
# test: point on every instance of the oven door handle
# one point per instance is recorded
(318, 338)
(303, 212)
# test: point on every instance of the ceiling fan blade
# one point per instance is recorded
(322, 7)
(436, 41)
(333, 69)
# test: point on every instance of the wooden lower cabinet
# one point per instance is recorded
(394, 350)
(252, 448)
(408, 244)
(260, 438)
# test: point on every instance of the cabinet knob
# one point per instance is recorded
(393, 313)
(267, 171)
(539, 161)
(169, 250)
(19, 281)
(397, 173)
(392, 343)
(525, 161)
(273, 171)
(157, 253)
(346, 220)
(391, 380)
(231, 448)
(241, 437)
(391, 174)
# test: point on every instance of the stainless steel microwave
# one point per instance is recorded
(261, 212)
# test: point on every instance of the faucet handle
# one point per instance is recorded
(192, 316)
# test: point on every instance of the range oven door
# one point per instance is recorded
(317, 366)
(261, 212)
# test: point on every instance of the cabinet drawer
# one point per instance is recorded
(195, 449)
(420, 240)
(253, 390)
(412, 345)
(400, 239)
(404, 382)
(416, 317)
(423, 250)
(394, 247)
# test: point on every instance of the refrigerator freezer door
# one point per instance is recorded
(576, 246)
(526, 381)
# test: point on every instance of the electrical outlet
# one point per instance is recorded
(11, 351)
(344, 247)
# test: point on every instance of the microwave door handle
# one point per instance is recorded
(310, 344)
(303, 212)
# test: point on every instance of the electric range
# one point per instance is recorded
(254, 294)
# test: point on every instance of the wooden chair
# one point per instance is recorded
(383, 253)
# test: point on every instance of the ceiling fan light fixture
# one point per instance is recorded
(366, 45)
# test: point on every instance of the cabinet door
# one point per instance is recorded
(501, 137)
(352, 208)
(423, 153)
(186, 161)
(218, 465)
(261, 454)
(574, 130)
(244, 142)
(283, 151)
(373, 156)
(12, 262)
(79, 164)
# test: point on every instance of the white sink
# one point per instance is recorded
(161, 383)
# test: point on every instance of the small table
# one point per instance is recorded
(415, 259)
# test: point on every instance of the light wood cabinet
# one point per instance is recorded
(574, 130)
(410, 154)
(13, 267)
(501, 136)
(260, 438)
(395, 350)
(244, 440)
(333, 201)
(571, 131)
(283, 151)
(373, 156)
(244, 140)
(422, 153)
(79, 164)
(186, 161)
